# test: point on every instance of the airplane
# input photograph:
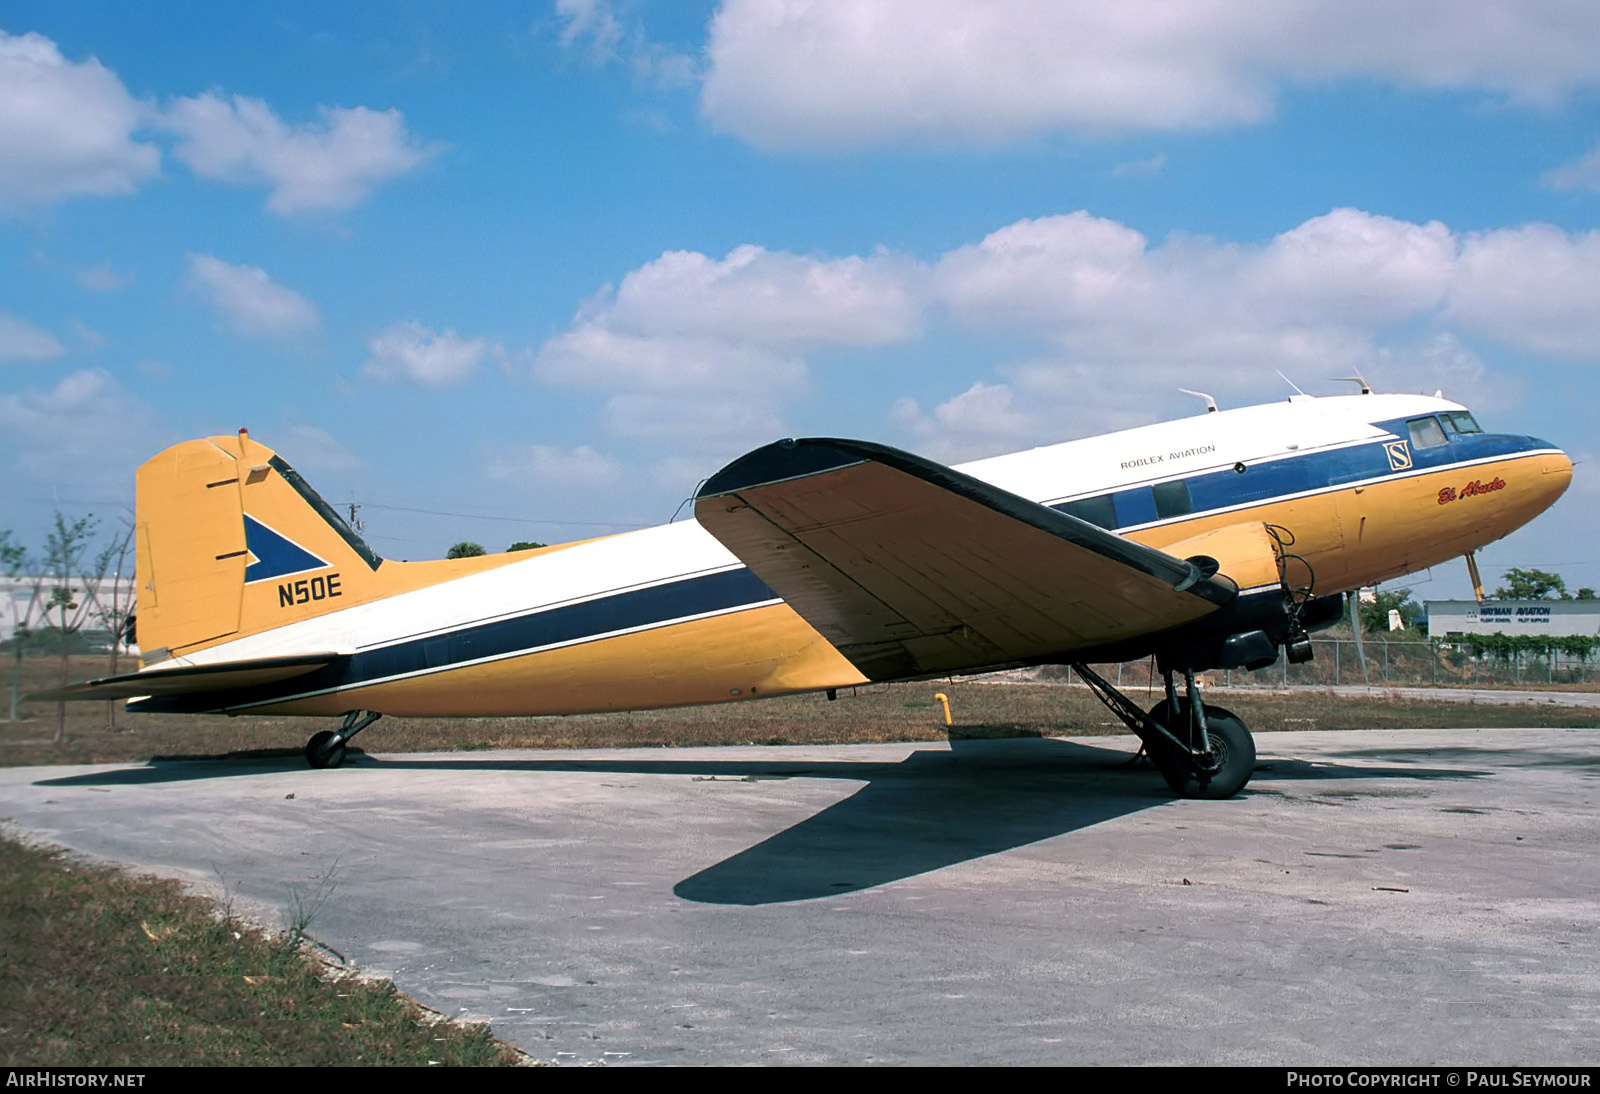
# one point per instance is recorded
(811, 565)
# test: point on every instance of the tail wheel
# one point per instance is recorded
(1220, 773)
(320, 754)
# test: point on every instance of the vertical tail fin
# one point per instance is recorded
(232, 541)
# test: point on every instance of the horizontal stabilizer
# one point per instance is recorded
(192, 679)
(911, 568)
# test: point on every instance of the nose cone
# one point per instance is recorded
(1555, 476)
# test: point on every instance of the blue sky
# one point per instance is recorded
(530, 271)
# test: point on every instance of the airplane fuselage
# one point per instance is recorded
(1370, 486)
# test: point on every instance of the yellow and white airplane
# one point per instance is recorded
(811, 565)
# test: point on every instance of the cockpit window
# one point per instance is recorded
(1462, 421)
(1425, 432)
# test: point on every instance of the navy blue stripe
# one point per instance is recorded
(1274, 479)
(723, 591)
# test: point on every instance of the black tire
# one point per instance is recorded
(1224, 772)
(319, 755)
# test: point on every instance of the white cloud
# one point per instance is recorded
(593, 22)
(102, 277)
(1583, 175)
(1049, 399)
(71, 128)
(1535, 287)
(92, 339)
(703, 352)
(704, 355)
(66, 129)
(20, 340)
(1044, 271)
(410, 353)
(1350, 265)
(1141, 169)
(771, 298)
(608, 37)
(248, 302)
(970, 425)
(592, 357)
(801, 73)
(86, 431)
(1441, 362)
(1123, 322)
(333, 164)
(708, 423)
(545, 467)
(310, 448)
(1316, 296)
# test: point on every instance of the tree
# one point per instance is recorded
(64, 548)
(1531, 585)
(11, 554)
(1586, 593)
(13, 560)
(525, 545)
(1375, 613)
(465, 549)
(114, 610)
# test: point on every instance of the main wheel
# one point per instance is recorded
(1220, 773)
(318, 752)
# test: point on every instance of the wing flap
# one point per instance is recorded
(191, 679)
(911, 568)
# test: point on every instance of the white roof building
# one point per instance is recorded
(22, 599)
(1558, 618)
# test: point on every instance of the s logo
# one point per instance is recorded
(1399, 453)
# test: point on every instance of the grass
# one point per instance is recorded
(99, 967)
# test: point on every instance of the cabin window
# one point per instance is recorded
(1134, 507)
(1463, 421)
(1172, 499)
(1096, 510)
(1425, 432)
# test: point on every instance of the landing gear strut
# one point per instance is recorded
(1202, 751)
(327, 749)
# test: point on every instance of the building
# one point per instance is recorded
(23, 597)
(1556, 618)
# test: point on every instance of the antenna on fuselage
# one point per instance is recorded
(1288, 381)
(1211, 404)
(1366, 388)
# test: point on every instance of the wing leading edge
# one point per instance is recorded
(910, 568)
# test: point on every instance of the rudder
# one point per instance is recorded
(232, 541)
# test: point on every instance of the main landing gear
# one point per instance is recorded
(1202, 751)
(327, 749)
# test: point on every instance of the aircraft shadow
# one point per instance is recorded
(935, 808)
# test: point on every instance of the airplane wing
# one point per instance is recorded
(911, 568)
(191, 679)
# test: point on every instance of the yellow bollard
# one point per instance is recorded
(945, 699)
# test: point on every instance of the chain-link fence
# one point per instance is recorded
(1412, 661)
